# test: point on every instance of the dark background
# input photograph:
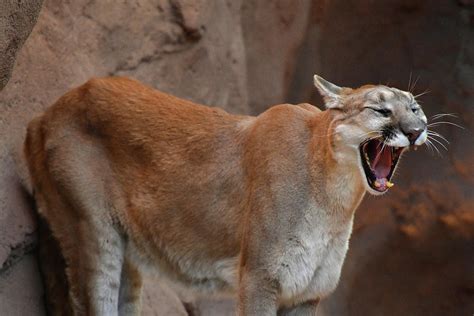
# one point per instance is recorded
(412, 250)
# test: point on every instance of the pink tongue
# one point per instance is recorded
(382, 162)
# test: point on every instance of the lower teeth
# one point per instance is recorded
(388, 184)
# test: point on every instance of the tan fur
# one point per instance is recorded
(129, 177)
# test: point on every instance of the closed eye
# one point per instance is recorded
(384, 112)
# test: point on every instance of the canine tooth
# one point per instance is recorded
(389, 184)
(377, 184)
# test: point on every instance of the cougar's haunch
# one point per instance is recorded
(128, 177)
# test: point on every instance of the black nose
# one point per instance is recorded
(413, 134)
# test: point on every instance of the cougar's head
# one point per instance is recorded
(377, 124)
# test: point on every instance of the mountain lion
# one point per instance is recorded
(128, 178)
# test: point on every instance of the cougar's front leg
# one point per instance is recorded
(257, 295)
(308, 308)
(258, 288)
(130, 290)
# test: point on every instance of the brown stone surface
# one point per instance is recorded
(17, 19)
(273, 33)
(21, 289)
(412, 250)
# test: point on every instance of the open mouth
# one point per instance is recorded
(379, 161)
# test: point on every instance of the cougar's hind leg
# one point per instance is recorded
(94, 246)
(91, 245)
(130, 289)
(93, 252)
(75, 191)
(94, 269)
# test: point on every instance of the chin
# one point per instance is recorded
(377, 163)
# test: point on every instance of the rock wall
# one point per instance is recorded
(412, 250)
(17, 19)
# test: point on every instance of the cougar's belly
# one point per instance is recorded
(187, 270)
(218, 277)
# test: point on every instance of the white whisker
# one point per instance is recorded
(428, 145)
(414, 83)
(440, 115)
(378, 133)
(421, 94)
(432, 133)
(409, 81)
(444, 122)
(440, 143)
(436, 148)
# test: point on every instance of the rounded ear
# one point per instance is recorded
(330, 92)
